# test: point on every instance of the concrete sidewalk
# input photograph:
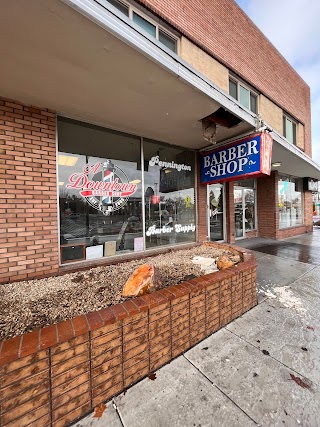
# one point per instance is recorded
(261, 369)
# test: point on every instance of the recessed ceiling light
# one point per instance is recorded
(135, 181)
(67, 160)
(276, 164)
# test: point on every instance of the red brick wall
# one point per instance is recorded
(28, 236)
(267, 206)
(55, 375)
(222, 29)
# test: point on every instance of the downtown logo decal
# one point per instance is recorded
(104, 186)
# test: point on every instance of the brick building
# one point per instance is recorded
(110, 112)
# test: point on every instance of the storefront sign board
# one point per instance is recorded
(310, 184)
(247, 157)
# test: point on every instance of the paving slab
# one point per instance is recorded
(307, 288)
(274, 271)
(311, 239)
(109, 418)
(257, 254)
(285, 333)
(180, 396)
(255, 242)
(260, 385)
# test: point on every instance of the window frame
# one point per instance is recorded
(285, 118)
(239, 83)
(133, 9)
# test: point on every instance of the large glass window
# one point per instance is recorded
(102, 195)
(169, 194)
(290, 201)
(100, 191)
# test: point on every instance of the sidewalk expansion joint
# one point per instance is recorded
(272, 357)
(215, 385)
(118, 412)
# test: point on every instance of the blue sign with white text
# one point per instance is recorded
(240, 159)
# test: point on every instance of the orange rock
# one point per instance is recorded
(143, 280)
(224, 262)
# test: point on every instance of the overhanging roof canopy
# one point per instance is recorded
(100, 67)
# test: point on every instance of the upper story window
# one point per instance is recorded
(289, 129)
(147, 24)
(243, 94)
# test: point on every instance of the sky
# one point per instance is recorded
(293, 27)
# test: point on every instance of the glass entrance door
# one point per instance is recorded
(238, 212)
(215, 212)
(244, 208)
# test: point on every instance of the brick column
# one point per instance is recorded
(29, 232)
(308, 211)
(267, 206)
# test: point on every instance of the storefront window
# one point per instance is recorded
(290, 201)
(100, 191)
(169, 194)
(103, 199)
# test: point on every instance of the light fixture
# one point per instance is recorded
(61, 183)
(67, 160)
(167, 171)
(276, 164)
(135, 181)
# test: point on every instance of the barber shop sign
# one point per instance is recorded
(250, 156)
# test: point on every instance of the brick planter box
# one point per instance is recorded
(55, 375)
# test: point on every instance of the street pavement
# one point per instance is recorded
(261, 369)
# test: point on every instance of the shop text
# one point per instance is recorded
(178, 228)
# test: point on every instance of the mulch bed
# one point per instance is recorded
(29, 305)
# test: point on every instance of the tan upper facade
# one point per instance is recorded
(219, 40)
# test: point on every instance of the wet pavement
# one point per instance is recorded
(280, 262)
(261, 369)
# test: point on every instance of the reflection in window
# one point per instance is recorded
(100, 191)
(244, 95)
(169, 194)
(168, 41)
(290, 202)
(143, 23)
(216, 208)
(148, 24)
(120, 6)
(289, 129)
(249, 209)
